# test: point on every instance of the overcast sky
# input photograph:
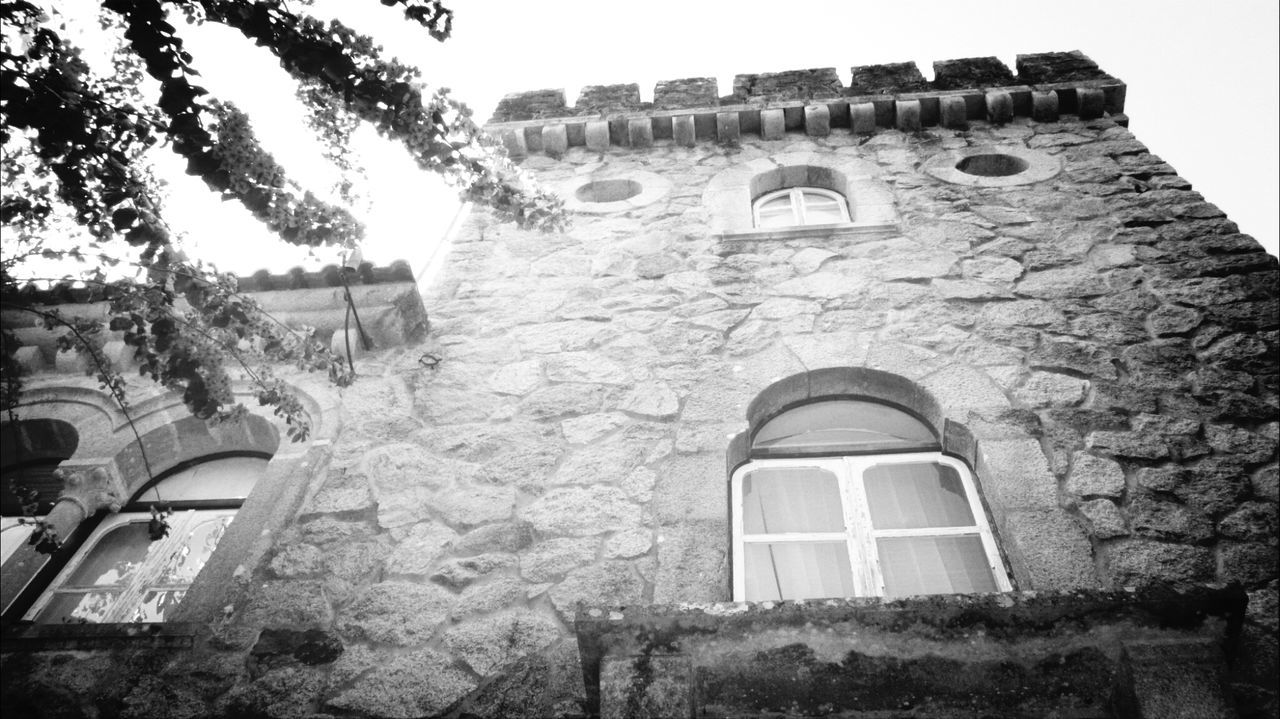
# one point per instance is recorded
(1202, 83)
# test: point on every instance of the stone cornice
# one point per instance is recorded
(894, 96)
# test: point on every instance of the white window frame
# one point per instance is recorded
(859, 535)
(158, 555)
(796, 195)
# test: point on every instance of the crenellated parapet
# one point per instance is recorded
(814, 101)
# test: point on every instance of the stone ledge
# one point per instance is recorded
(844, 229)
(28, 637)
(1051, 651)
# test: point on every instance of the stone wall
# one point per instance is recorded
(1107, 336)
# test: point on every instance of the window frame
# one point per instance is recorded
(859, 535)
(48, 581)
(187, 518)
(798, 206)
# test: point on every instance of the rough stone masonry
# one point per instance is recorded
(1107, 336)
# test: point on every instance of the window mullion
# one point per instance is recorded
(797, 206)
(866, 571)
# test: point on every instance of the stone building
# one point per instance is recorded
(902, 398)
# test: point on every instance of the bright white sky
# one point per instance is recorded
(1202, 84)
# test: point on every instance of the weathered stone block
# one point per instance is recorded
(597, 135)
(640, 132)
(954, 112)
(817, 120)
(727, 127)
(908, 115)
(862, 117)
(1044, 106)
(1090, 103)
(555, 140)
(772, 124)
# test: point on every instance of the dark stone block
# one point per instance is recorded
(790, 85)
(1051, 67)
(687, 93)
(606, 99)
(889, 79)
(971, 72)
(530, 106)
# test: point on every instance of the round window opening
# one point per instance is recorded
(608, 191)
(992, 165)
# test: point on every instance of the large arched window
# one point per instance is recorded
(122, 574)
(795, 206)
(845, 498)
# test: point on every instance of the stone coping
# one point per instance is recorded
(31, 637)
(391, 312)
(624, 648)
(894, 96)
(261, 281)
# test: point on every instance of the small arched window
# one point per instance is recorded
(845, 498)
(121, 574)
(796, 206)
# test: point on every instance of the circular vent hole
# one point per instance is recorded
(993, 165)
(608, 191)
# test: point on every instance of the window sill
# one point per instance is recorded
(26, 636)
(807, 232)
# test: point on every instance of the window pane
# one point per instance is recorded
(934, 565)
(821, 209)
(777, 212)
(791, 499)
(797, 570)
(187, 561)
(76, 606)
(917, 495)
(850, 425)
(114, 557)
(226, 478)
(155, 605)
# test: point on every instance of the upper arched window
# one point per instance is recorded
(848, 497)
(800, 206)
(123, 573)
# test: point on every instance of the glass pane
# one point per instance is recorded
(776, 212)
(186, 562)
(934, 565)
(821, 209)
(843, 424)
(13, 534)
(113, 558)
(917, 495)
(797, 570)
(75, 607)
(228, 478)
(791, 499)
(156, 604)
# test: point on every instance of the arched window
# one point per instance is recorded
(845, 498)
(121, 574)
(800, 206)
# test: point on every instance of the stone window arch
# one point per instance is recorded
(849, 482)
(731, 194)
(127, 568)
(107, 472)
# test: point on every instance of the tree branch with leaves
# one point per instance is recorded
(76, 150)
